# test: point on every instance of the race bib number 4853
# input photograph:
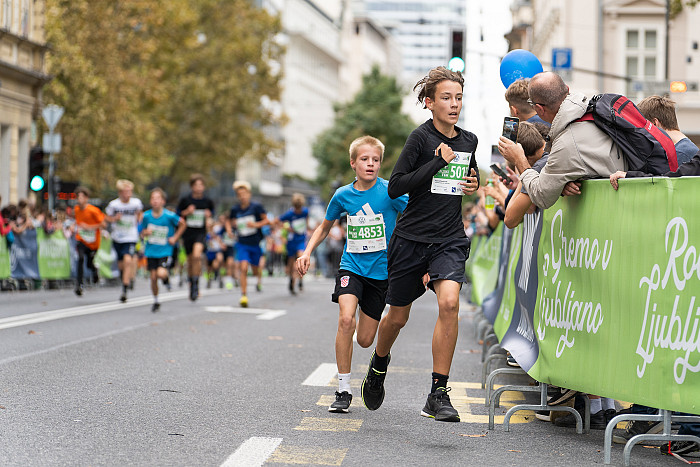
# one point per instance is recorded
(447, 180)
(366, 234)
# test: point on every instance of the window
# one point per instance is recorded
(642, 57)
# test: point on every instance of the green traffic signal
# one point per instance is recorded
(37, 183)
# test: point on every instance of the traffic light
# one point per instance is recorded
(37, 180)
(456, 62)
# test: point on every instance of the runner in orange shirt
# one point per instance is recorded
(88, 220)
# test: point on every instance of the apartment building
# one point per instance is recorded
(22, 76)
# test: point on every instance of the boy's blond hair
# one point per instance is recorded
(369, 141)
(298, 200)
(124, 185)
(241, 184)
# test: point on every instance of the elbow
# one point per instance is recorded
(510, 221)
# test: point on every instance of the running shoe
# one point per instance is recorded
(155, 307)
(634, 428)
(301, 285)
(291, 287)
(439, 407)
(122, 297)
(78, 290)
(342, 402)
(373, 386)
(258, 287)
(244, 301)
(679, 447)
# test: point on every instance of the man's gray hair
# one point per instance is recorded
(547, 88)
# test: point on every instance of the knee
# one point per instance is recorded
(449, 305)
(397, 320)
(365, 341)
(346, 324)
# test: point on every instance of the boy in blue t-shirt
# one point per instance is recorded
(297, 217)
(161, 230)
(362, 277)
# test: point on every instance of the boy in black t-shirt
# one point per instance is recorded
(435, 168)
(196, 209)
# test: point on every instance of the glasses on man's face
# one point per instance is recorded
(532, 104)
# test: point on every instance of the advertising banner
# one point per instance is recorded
(54, 255)
(23, 256)
(484, 267)
(5, 270)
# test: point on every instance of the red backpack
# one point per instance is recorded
(645, 147)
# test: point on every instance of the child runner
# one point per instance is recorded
(158, 228)
(249, 217)
(362, 277)
(196, 208)
(429, 236)
(88, 220)
(298, 218)
(125, 213)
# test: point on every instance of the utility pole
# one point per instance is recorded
(668, 21)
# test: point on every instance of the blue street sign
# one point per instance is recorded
(561, 58)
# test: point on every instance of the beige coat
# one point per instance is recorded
(580, 150)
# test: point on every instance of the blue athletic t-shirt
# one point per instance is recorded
(685, 150)
(298, 222)
(347, 199)
(247, 235)
(163, 227)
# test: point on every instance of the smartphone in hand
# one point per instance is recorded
(510, 128)
(499, 171)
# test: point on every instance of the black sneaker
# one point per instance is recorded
(561, 397)
(78, 290)
(569, 421)
(609, 415)
(439, 407)
(155, 307)
(301, 285)
(372, 388)
(342, 402)
(634, 428)
(679, 447)
(194, 291)
(511, 361)
(122, 297)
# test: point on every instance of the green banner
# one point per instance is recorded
(103, 259)
(5, 270)
(484, 266)
(505, 315)
(54, 255)
(618, 309)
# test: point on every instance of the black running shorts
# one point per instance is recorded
(409, 261)
(192, 236)
(370, 293)
(155, 263)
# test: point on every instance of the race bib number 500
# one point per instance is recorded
(366, 234)
(447, 180)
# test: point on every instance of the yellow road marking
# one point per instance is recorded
(307, 455)
(329, 424)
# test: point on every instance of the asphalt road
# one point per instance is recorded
(89, 381)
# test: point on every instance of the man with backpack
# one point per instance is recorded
(580, 149)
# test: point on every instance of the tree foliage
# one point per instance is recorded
(676, 6)
(375, 111)
(160, 87)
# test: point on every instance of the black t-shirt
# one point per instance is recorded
(197, 221)
(429, 217)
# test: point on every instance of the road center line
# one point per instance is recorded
(253, 452)
(43, 316)
(322, 375)
(263, 313)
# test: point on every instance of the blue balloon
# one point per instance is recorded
(518, 64)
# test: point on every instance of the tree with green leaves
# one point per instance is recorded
(375, 111)
(160, 88)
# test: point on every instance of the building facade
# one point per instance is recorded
(22, 77)
(620, 46)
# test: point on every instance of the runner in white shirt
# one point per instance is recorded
(124, 213)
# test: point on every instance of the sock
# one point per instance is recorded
(344, 382)
(155, 299)
(439, 381)
(380, 363)
(124, 287)
(596, 405)
(608, 403)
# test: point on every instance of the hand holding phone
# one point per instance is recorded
(510, 128)
(499, 171)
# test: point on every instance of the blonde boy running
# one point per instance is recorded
(362, 277)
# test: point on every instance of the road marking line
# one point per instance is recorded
(322, 376)
(44, 316)
(263, 313)
(329, 424)
(304, 455)
(253, 452)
